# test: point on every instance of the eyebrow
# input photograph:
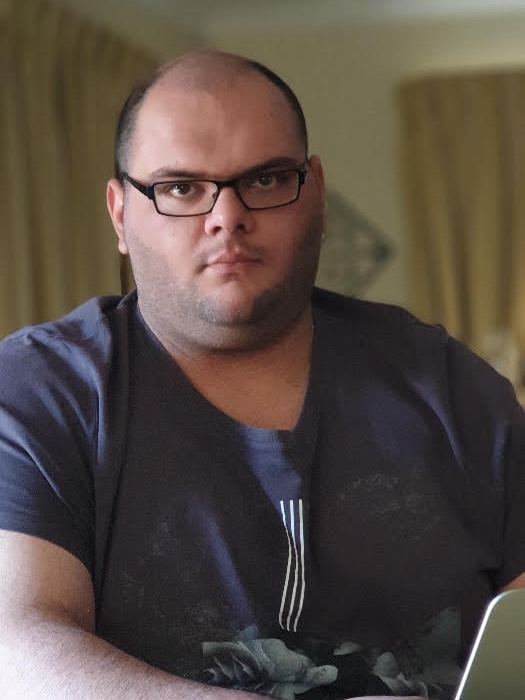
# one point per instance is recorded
(169, 173)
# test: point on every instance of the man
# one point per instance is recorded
(228, 482)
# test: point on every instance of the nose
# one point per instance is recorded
(229, 214)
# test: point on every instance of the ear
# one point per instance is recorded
(316, 170)
(115, 205)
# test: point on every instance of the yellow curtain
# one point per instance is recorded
(463, 167)
(62, 81)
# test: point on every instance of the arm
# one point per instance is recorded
(48, 649)
(518, 582)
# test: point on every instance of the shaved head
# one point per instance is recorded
(204, 70)
(209, 71)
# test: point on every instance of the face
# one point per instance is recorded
(233, 277)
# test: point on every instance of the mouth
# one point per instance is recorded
(231, 261)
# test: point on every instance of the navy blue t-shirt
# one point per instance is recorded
(351, 556)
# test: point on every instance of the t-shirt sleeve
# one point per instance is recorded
(47, 418)
(491, 425)
(514, 563)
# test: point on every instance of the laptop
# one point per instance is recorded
(496, 666)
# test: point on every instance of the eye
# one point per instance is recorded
(268, 180)
(180, 189)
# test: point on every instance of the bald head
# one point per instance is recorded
(208, 71)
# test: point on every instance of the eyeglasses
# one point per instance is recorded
(261, 190)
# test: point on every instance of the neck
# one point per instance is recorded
(263, 386)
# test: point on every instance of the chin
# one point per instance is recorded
(228, 315)
(274, 308)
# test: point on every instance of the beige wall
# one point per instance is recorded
(347, 80)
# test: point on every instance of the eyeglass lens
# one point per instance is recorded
(260, 191)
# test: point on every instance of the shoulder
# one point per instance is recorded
(373, 324)
(90, 324)
(417, 353)
(365, 313)
(64, 356)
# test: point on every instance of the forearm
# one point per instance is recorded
(56, 661)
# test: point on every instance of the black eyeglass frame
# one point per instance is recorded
(149, 190)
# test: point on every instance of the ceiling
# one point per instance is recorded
(157, 20)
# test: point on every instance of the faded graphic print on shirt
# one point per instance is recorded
(424, 665)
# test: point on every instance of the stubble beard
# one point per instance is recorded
(179, 315)
(271, 312)
(219, 324)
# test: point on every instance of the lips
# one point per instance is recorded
(231, 259)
